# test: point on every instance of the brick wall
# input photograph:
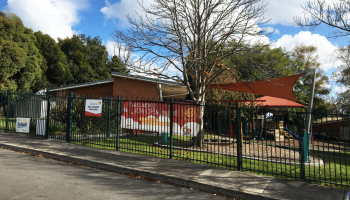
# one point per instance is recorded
(100, 90)
(128, 87)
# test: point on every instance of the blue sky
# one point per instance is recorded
(62, 18)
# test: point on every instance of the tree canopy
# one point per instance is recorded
(342, 76)
(278, 63)
(58, 72)
(22, 66)
(34, 61)
(87, 58)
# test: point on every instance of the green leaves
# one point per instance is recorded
(87, 58)
(58, 72)
(21, 64)
(34, 61)
(116, 65)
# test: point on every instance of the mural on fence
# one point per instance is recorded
(155, 116)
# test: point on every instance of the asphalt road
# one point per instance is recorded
(27, 177)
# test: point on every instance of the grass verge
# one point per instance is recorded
(335, 172)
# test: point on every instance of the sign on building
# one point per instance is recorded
(155, 116)
(93, 107)
(22, 125)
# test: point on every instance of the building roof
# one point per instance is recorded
(79, 85)
(130, 76)
(144, 78)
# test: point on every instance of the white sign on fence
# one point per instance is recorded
(93, 107)
(22, 125)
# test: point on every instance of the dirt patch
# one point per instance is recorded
(316, 145)
(253, 150)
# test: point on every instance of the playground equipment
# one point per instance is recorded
(291, 133)
(287, 135)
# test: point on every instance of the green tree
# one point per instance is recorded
(87, 58)
(117, 65)
(342, 75)
(307, 55)
(21, 64)
(272, 63)
(58, 72)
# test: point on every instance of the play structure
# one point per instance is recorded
(291, 133)
(257, 126)
(277, 93)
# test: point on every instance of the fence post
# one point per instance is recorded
(109, 118)
(238, 135)
(171, 127)
(302, 163)
(301, 155)
(8, 110)
(47, 115)
(69, 117)
(118, 123)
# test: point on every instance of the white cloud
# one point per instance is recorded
(53, 17)
(110, 47)
(270, 29)
(324, 47)
(282, 12)
(340, 89)
(121, 9)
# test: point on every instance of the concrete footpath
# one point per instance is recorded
(229, 183)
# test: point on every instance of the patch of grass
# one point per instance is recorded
(11, 121)
(333, 173)
(330, 153)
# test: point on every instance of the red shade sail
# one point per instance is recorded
(277, 102)
(277, 87)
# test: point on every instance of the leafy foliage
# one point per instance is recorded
(117, 65)
(34, 61)
(342, 75)
(308, 58)
(87, 58)
(21, 64)
(58, 72)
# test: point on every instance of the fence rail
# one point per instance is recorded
(251, 138)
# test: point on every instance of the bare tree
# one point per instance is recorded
(335, 15)
(123, 52)
(195, 37)
(342, 77)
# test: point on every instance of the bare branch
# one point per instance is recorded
(195, 37)
(335, 14)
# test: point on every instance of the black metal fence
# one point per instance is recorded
(251, 138)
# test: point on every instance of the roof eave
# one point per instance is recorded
(81, 85)
(142, 78)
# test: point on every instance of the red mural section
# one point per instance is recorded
(155, 116)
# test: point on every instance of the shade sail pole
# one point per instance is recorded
(311, 100)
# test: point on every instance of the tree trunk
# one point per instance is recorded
(200, 136)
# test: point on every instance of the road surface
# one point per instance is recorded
(28, 177)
